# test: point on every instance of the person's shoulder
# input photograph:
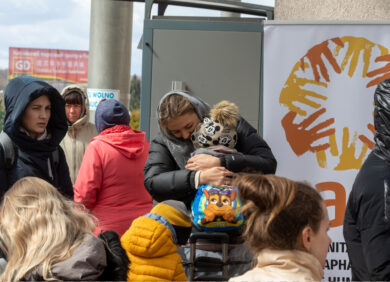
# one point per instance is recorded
(374, 168)
(159, 139)
(244, 126)
(91, 125)
(371, 177)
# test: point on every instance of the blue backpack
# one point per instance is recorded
(217, 209)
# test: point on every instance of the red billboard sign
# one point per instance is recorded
(67, 65)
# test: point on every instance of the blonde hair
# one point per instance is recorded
(171, 107)
(276, 210)
(226, 113)
(38, 228)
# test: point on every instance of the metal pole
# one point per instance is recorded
(110, 47)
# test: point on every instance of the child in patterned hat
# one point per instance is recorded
(218, 133)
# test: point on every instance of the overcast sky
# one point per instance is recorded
(64, 24)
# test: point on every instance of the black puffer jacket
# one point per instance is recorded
(32, 156)
(165, 175)
(367, 217)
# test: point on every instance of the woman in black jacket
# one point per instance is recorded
(35, 122)
(170, 172)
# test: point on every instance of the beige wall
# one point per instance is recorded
(332, 9)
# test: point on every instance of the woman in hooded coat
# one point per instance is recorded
(170, 171)
(80, 130)
(35, 122)
(111, 182)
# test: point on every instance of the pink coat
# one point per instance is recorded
(111, 179)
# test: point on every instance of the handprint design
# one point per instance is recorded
(385, 71)
(347, 156)
(302, 95)
(293, 92)
(300, 138)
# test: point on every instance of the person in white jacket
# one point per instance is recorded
(286, 227)
(80, 130)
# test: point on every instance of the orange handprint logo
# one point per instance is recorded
(304, 94)
(293, 92)
(300, 138)
(365, 139)
(385, 71)
(347, 157)
(314, 55)
(356, 45)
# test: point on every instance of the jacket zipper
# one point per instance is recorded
(50, 170)
(74, 153)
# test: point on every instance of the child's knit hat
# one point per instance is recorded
(179, 217)
(219, 129)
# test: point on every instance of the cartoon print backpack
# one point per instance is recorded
(217, 209)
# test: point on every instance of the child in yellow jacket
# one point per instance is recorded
(151, 243)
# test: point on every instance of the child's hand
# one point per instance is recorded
(216, 176)
(202, 161)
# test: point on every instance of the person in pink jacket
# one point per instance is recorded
(111, 179)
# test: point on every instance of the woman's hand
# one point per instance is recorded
(216, 176)
(202, 161)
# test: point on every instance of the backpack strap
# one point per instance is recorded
(8, 149)
(56, 157)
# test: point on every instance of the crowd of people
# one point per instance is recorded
(77, 198)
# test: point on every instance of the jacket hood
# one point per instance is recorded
(18, 94)
(181, 149)
(84, 117)
(150, 237)
(382, 120)
(131, 143)
(87, 262)
(201, 108)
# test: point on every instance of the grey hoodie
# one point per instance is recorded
(181, 149)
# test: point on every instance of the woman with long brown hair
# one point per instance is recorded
(286, 227)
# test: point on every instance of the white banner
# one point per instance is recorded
(96, 95)
(319, 81)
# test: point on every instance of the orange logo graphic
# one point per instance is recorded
(338, 201)
(309, 125)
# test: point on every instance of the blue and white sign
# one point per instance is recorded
(96, 95)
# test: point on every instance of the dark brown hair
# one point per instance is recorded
(74, 98)
(276, 210)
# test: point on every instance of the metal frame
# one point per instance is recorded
(171, 24)
(220, 5)
(150, 24)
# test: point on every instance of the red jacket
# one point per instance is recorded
(111, 179)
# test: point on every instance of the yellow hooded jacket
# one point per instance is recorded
(150, 246)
